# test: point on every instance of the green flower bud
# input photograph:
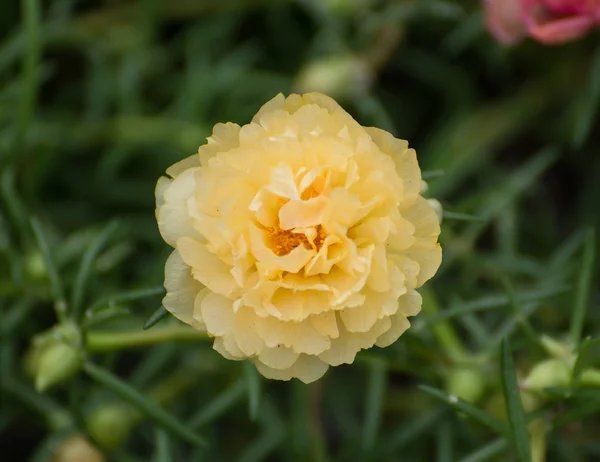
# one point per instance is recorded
(56, 364)
(35, 266)
(548, 373)
(54, 356)
(590, 378)
(335, 76)
(110, 424)
(466, 384)
(558, 350)
(77, 449)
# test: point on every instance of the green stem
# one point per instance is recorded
(443, 331)
(98, 341)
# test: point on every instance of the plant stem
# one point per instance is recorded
(98, 341)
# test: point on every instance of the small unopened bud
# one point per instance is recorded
(558, 350)
(110, 424)
(56, 363)
(466, 384)
(35, 266)
(77, 449)
(54, 356)
(590, 378)
(335, 76)
(548, 373)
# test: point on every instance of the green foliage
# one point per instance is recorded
(98, 98)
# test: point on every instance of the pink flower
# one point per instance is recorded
(547, 21)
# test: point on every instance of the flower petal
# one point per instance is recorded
(182, 290)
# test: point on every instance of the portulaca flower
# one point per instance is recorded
(299, 238)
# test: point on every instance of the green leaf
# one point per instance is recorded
(520, 317)
(581, 405)
(583, 359)
(514, 407)
(162, 451)
(460, 216)
(411, 429)
(56, 285)
(156, 317)
(31, 12)
(253, 381)
(85, 268)
(589, 104)
(466, 408)
(124, 297)
(487, 452)
(582, 290)
(376, 385)
(142, 403)
(494, 301)
(219, 405)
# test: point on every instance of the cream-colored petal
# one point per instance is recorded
(428, 254)
(265, 206)
(328, 255)
(399, 325)
(423, 217)
(402, 232)
(300, 214)
(278, 358)
(225, 137)
(283, 182)
(410, 303)
(245, 332)
(406, 269)
(275, 332)
(217, 312)
(361, 318)
(290, 304)
(386, 142)
(182, 290)
(379, 278)
(405, 159)
(178, 168)
(343, 349)
(371, 231)
(273, 104)
(268, 263)
(308, 340)
(172, 212)
(306, 368)
(207, 267)
(325, 323)
(219, 346)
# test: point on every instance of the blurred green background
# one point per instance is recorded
(98, 98)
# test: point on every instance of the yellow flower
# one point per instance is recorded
(299, 238)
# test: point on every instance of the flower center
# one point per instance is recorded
(283, 241)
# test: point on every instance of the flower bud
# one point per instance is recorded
(466, 384)
(35, 266)
(53, 357)
(548, 373)
(590, 378)
(56, 364)
(336, 76)
(77, 449)
(558, 350)
(110, 424)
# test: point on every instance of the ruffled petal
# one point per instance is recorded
(182, 290)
